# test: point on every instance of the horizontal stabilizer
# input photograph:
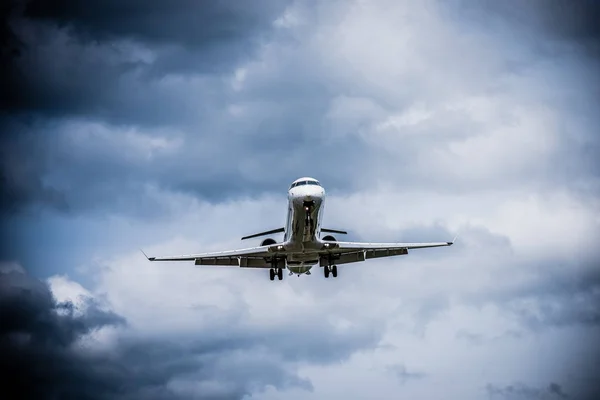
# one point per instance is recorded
(334, 231)
(279, 230)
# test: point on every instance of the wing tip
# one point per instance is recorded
(452, 242)
(148, 258)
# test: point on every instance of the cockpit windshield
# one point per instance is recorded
(300, 183)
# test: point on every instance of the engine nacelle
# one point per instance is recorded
(329, 238)
(267, 242)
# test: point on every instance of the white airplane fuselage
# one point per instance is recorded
(303, 227)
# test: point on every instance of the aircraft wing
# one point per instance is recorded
(349, 252)
(251, 257)
(341, 252)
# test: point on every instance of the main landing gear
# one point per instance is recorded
(330, 269)
(275, 272)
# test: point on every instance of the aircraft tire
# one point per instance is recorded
(326, 271)
(280, 274)
(272, 274)
(334, 271)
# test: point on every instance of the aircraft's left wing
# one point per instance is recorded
(252, 257)
(349, 252)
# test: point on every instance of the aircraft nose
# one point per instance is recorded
(308, 193)
(312, 193)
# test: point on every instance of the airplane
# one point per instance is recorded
(302, 246)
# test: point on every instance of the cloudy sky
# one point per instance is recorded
(178, 126)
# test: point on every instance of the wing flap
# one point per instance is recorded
(346, 258)
(350, 252)
(386, 252)
(242, 262)
(358, 256)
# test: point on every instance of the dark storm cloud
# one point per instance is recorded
(187, 22)
(575, 21)
(62, 58)
(524, 392)
(36, 335)
(67, 59)
(30, 312)
(41, 357)
(21, 183)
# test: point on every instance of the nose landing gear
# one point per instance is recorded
(308, 206)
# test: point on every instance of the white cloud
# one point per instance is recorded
(65, 289)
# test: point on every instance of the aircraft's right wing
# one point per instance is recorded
(252, 257)
(349, 252)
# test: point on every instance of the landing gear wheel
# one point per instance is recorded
(272, 274)
(334, 271)
(326, 271)
(280, 274)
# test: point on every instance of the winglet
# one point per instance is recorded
(453, 240)
(148, 258)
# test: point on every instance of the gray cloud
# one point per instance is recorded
(562, 19)
(78, 58)
(522, 391)
(168, 71)
(42, 357)
(191, 23)
(550, 298)
(403, 375)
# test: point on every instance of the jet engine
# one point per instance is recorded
(329, 238)
(267, 242)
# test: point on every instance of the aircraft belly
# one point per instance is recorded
(305, 258)
(300, 268)
(301, 263)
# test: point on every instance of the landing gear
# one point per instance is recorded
(330, 269)
(275, 272)
(308, 206)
